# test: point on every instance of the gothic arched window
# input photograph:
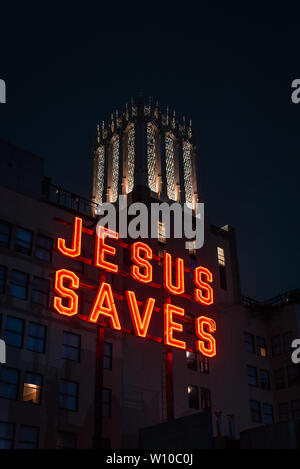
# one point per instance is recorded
(170, 167)
(115, 168)
(188, 177)
(130, 158)
(151, 158)
(100, 161)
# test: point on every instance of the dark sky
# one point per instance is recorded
(228, 67)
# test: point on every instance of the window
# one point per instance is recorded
(287, 341)
(283, 411)
(204, 365)
(36, 340)
(5, 234)
(193, 395)
(279, 376)
(40, 291)
(205, 399)
(28, 437)
(261, 346)
(255, 410)
(66, 440)
(264, 377)
(191, 361)
(162, 232)
(106, 402)
(268, 414)
(3, 271)
(107, 356)
(9, 383)
(252, 376)
(23, 241)
(32, 387)
(68, 395)
(71, 347)
(43, 249)
(249, 343)
(296, 409)
(7, 432)
(221, 256)
(14, 332)
(193, 264)
(276, 345)
(292, 375)
(18, 287)
(223, 281)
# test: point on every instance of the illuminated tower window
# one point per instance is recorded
(161, 232)
(100, 175)
(221, 256)
(170, 167)
(187, 169)
(151, 158)
(131, 158)
(115, 169)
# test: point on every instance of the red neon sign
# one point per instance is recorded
(104, 307)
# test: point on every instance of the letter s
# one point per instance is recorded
(296, 353)
(296, 94)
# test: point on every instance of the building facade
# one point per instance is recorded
(70, 383)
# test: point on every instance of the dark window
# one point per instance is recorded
(261, 346)
(292, 375)
(283, 411)
(23, 241)
(193, 395)
(106, 402)
(3, 272)
(255, 410)
(68, 395)
(205, 399)
(107, 356)
(66, 440)
(249, 342)
(296, 409)
(264, 377)
(279, 376)
(9, 382)
(71, 347)
(223, 281)
(32, 387)
(5, 234)
(7, 432)
(252, 376)
(287, 341)
(191, 361)
(18, 285)
(43, 249)
(29, 437)
(276, 345)
(268, 418)
(14, 332)
(204, 365)
(105, 443)
(36, 340)
(40, 291)
(193, 264)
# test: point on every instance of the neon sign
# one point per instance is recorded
(104, 310)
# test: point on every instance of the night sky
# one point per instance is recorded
(229, 68)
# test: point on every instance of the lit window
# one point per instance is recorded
(14, 331)
(255, 410)
(7, 433)
(252, 376)
(268, 418)
(131, 158)
(100, 164)
(115, 169)
(193, 250)
(71, 347)
(151, 158)
(36, 340)
(170, 167)
(205, 399)
(264, 378)
(188, 175)
(40, 291)
(23, 241)
(32, 387)
(66, 440)
(43, 249)
(191, 360)
(9, 383)
(106, 402)
(18, 286)
(107, 356)
(28, 437)
(221, 256)
(193, 396)
(3, 272)
(261, 346)
(68, 395)
(5, 234)
(161, 232)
